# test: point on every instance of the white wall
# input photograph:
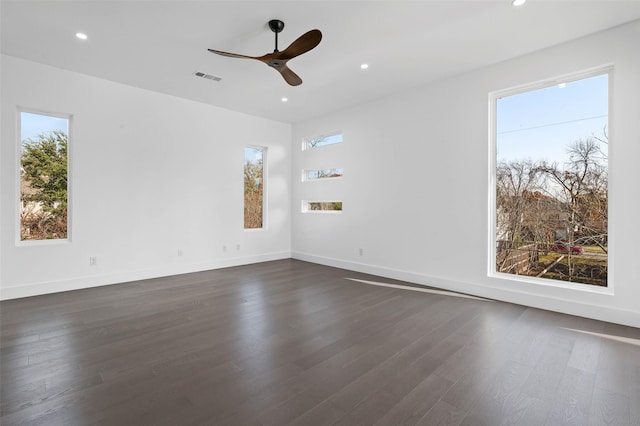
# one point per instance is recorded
(415, 186)
(150, 174)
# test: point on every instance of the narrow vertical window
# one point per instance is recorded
(44, 165)
(254, 158)
(551, 181)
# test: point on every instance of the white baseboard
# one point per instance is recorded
(572, 307)
(88, 281)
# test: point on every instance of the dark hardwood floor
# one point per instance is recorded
(290, 342)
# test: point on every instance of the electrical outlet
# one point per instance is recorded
(237, 246)
(179, 252)
(224, 249)
(93, 261)
(361, 251)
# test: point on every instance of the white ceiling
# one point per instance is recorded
(158, 45)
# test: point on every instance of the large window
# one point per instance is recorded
(44, 177)
(550, 204)
(254, 176)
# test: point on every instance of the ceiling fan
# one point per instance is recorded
(278, 59)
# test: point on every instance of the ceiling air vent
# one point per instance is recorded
(207, 76)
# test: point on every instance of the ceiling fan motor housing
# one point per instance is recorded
(276, 63)
(276, 25)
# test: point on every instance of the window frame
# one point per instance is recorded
(17, 162)
(493, 98)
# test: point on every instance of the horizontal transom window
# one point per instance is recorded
(317, 174)
(322, 206)
(320, 141)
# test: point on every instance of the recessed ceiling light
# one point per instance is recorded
(364, 66)
(81, 36)
(518, 2)
(284, 99)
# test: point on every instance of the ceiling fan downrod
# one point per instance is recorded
(276, 26)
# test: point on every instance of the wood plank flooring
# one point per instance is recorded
(290, 342)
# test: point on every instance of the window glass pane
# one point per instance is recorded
(552, 182)
(43, 177)
(254, 187)
(308, 175)
(322, 206)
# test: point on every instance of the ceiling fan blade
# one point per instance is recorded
(289, 76)
(278, 59)
(302, 44)
(233, 55)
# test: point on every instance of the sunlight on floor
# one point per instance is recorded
(420, 289)
(628, 340)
